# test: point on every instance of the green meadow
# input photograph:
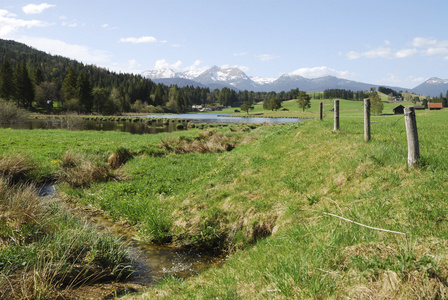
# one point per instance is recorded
(271, 203)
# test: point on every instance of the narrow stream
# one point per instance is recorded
(151, 262)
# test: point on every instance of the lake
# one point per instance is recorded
(142, 127)
(225, 118)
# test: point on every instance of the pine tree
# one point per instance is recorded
(69, 86)
(24, 89)
(85, 93)
(6, 81)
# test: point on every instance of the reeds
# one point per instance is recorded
(16, 167)
(207, 142)
(79, 170)
(43, 249)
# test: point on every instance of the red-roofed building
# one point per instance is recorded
(434, 106)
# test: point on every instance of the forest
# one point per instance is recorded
(48, 83)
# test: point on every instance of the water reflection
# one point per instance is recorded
(144, 125)
(225, 118)
(138, 127)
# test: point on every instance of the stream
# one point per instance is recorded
(151, 262)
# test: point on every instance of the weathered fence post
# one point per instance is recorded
(367, 119)
(412, 136)
(321, 111)
(336, 115)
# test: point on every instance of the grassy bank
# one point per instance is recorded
(268, 202)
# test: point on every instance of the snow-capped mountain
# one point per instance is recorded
(234, 78)
(159, 73)
(432, 87)
(261, 80)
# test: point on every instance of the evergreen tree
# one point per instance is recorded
(69, 86)
(38, 76)
(84, 93)
(24, 89)
(159, 96)
(6, 81)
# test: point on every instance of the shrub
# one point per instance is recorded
(10, 113)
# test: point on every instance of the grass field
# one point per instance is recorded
(267, 203)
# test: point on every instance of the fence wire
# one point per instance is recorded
(389, 125)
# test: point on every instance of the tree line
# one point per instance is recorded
(42, 82)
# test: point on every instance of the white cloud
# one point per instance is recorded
(163, 64)
(373, 53)
(421, 46)
(72, 24)
(73, 51)
(317, 72)
(140, 40)
(10, 24)
(393, 79)
(33, 9)
(265, 57)
(240, 54)
(133, 64)
(405, 53)
(242, 68)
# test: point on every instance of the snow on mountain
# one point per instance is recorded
(217, 77)
(432, 87)
(159, 73)
(262, 80)
(436, 80)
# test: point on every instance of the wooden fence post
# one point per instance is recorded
(336, 115)
(367, 119)
(412, 136)
(321, 111)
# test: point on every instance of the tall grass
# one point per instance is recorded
(265, 200)
(44, 248)
(16, 168)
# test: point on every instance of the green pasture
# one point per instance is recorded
(265, 202)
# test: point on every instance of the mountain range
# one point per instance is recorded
(234, 78)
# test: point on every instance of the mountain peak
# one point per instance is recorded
(235, 78)
(159, 73)
(436, 80)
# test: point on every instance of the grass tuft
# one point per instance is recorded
(16, 168)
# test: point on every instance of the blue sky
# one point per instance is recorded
(388, 42)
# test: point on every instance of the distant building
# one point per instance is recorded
(419, 107)
(399, 110)
(434, 106)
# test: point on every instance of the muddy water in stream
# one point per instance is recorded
(151, 262)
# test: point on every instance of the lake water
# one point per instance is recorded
(142, 127)
(225, 118)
